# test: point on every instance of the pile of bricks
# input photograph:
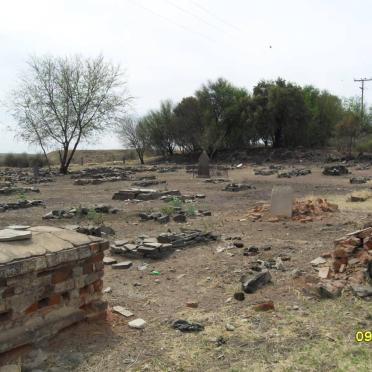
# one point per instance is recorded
(48, 283)
(350, 264)
(303, 211)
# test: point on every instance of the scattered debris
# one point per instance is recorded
(335, 170)
(17, 190)
(185, 326)
(143, 194)
(358, 180)
(235, 187)
(8, 235)
(295, 172)
(20, 204)
(252, 283)
(192, 304)
(79, 212)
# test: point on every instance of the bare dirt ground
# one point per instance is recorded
(302, 334)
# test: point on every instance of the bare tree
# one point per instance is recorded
(133, 134)
(62, 101)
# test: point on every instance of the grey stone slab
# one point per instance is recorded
(282, 201)
(8, 235)
(122, 265)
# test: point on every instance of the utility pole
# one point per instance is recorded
(362, 80)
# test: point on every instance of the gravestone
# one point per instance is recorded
(282, 201)
(36, 171)
(203, 166)
(82, 160)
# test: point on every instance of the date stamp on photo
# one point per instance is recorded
(363, 336)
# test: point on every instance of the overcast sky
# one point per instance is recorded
(170, 47)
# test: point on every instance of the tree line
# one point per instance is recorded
(60, 102)
(220, 116)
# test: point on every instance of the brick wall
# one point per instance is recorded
(41, 295)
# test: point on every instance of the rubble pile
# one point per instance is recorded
(163, 244)
(349, 265)
(264, 171)
(235, 187)
(13, 176)
(20, 204)
(335, 170)
(303, 211)
(177, 214)
(148, 181)
(96, 176)
(359, 180)
(216, 180)
(101, 230)
(9, 190)
(143, 194)
(79, 212)
(295, 172)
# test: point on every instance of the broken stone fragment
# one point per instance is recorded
(256, 281)
(318, 261)
(362, 290)
(122, 265)
(137, 323)
(7, 235)
(122, 311)
(185, 326)
(109, 261)
(324, 272)
(328, 290)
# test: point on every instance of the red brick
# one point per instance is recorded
(96, 258)
(32, 308)
(98, 285)
(54, 300)
(368, 243)
(61, 275)
(94, 247)
(88, 268)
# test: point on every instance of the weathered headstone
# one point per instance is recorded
(282, 201)
(203, 166)
(36, 171)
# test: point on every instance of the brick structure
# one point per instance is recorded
(48, 283)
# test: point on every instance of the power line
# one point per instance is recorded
(205, 10)
(362, 80)
(171, 21)
(201, 19)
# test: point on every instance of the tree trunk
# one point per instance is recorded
(63, 169)
(140, 156)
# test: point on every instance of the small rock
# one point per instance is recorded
(318, 261)
(107, 290)
(137, 323)
(238, 244)
(192, 304)
(239, 296)
(254, 282)
(185, 326)
(229, 327)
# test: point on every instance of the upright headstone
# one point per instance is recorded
(282, 201)
(82, 160)
(203, 166)
(36, 171)
(123, 158)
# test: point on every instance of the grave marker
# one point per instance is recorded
(203, 166)
(282, 201)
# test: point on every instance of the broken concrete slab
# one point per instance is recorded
(122, 311)
(8, 235)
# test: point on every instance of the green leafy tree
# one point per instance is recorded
(222, 105)
(347, 131)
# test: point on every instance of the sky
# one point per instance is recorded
(169, 48)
